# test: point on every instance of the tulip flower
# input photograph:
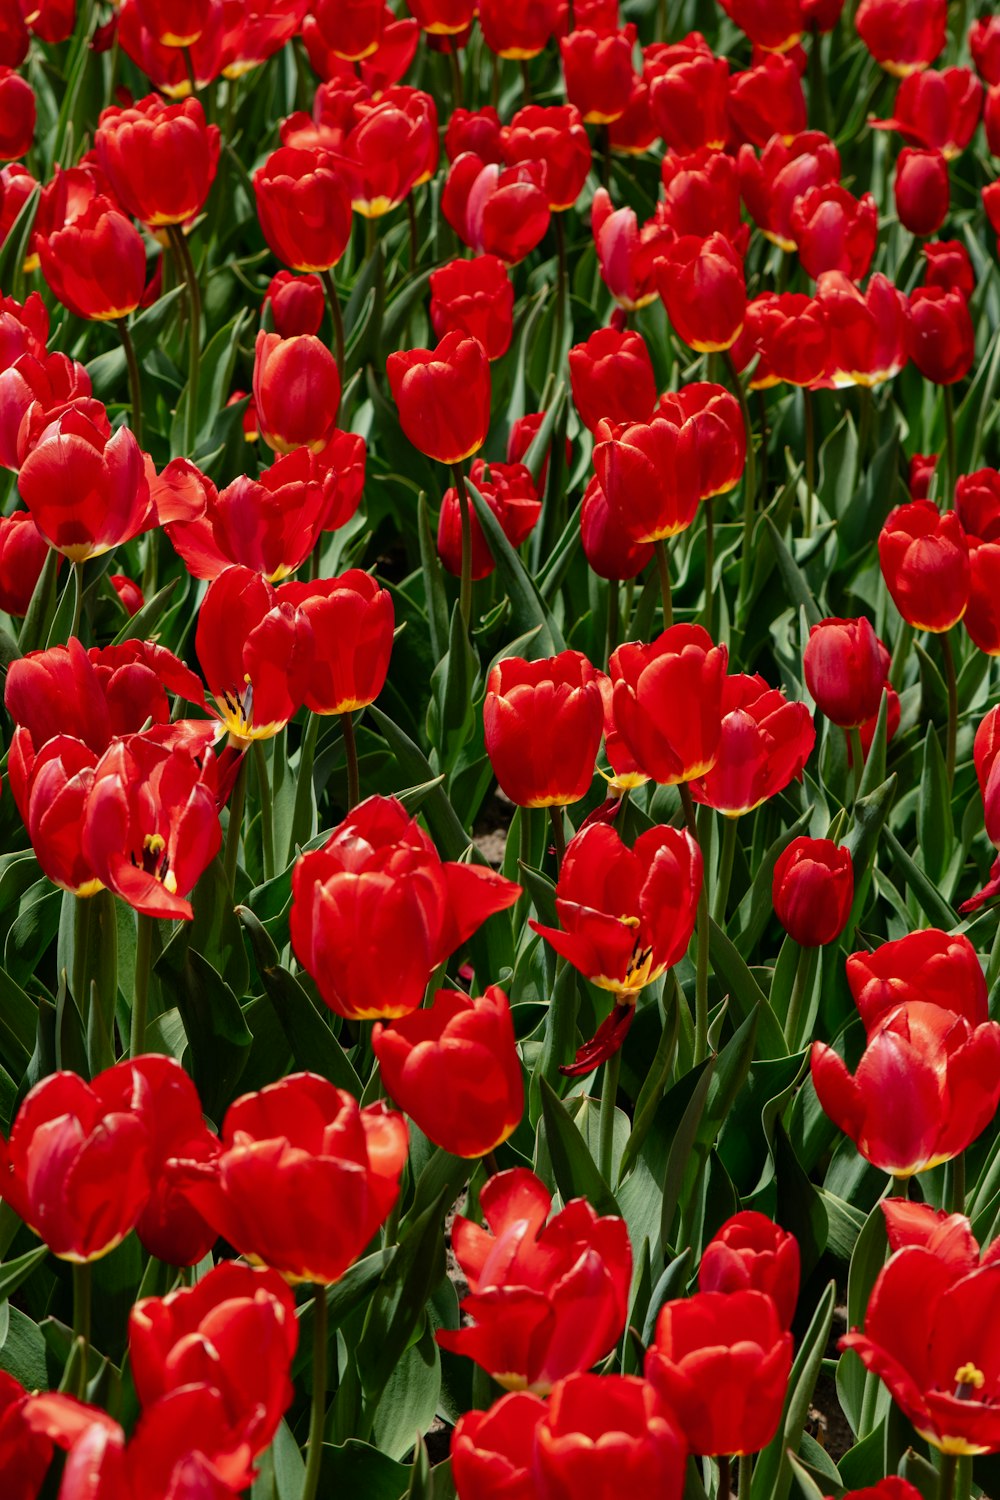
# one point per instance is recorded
(76, 1167)
(635, 131)
(167, 66)
(24, 1452)
(443, 17)
(867, 330)
(939, 111)
(377, 900)
(932, 966)
(948, 265)
(925, 563)
(304, 206)
(44, 387)
(940, 1370)
(773, 27)
(813, 891)
(492, 1451)
(16, 187)
(922, 190)
(689, 95)
(17, 115)
(749, 1252)
(474, 298)
(529, 1280)
(496, 210)
(611, 376)
(607, 546)
(767, 100)
(668, 702)
(23, 551)
(833, 231)
(772, 183)
(720, 1362)
(627, 914)
(720, 433)
(352, 624)
(977, 500)
(984, 45)
(651, 475)
(542, 722)
(297, 304)
(790, 335)
(454, 1069)
(598, 72)
(942, 340)
(703, 287)
(555, 137)
(160, 158)
(702, 196)
(174, 23)
(510, 494)
(903, 36)
(478, 131)
(94, 261)
(986, 749)
(443, 397)
(352, 28)
(921, 472)
(604, 1434)
(390, 150)
(845, 668)
(296, 390)
(765, 743)
(304, 1179)
(628, 256)
(900, 1106)
(517, 28)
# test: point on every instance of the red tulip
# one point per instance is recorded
(867, 330)
(17, 115)
(922, 190)
(297, 304)
(517, 28)
(94, 261)
(651, 475)
(772, 183)
(627, 915)
(542, 722)
(497, 210)
(166, 66)
(668, 702)
(474, 298)
(598, 72)
(751, 1253)
(932, 966)
(921, 472)
(834, 231)
(984, 45)
(352, 28)
(555, 137)
(46, 387)
(25, 1454)
(520, 438)
(304, 205)
(768, 100)
(702, 196)
(390, 150)
(789, 334)
(16, 187)
(720, 433)
(948, 1236)
(611, 376)
(454, 1069)
(257, 32)
(23, 551)
(942, 340)
(776, 27)
(76, 1167)
(720, 1361)
(704, 289)
(628, 256)
(443, 17)
(530, 1281)
(604, 1435)
(689, 94)
(378, 900)
(160, 158)
(492, 1451)
(443, 397)
(510, 494)
(304, 1179)
(845, 667)
(477, 131)
(813, 891)
(607, 546)
(948, 265)
(903, 36)
(352, 624)
(296, 389)
(925, 563)
(174, 23)
(939, 111)
(986, 749)
(765, 743)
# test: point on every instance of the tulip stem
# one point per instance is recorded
(749, 481)
(609, 1093)
(900, 1187)
(956, 1185)
(725, 1477)
(663, 568)
(411, 219)
(317, 1420)
(662, 27)
(857, 759)
(140, 983)
(810, 420)
(727, 851)
(82, 928)
(804, 971)
(336, 318)
(134, 382)
(301, 821)
(614, 619)
(746, 1474)
(77, 598)
(465, 591)
(456, 76)
(709, 568)
(558, 835)
(186, 266)
(947, 1475)
(947, 498)
(351, 752)
(525, 81)
(237, 801)
(951, 681)
(81, 1321)
(703, 933)
(266, 809)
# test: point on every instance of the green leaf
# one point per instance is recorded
(528, 608)
(795, 581)
(747, 997)
(142, 625)
(357, 1469)
(935, 907)
(772, 1478)
(217, 1031)
(576, 1172)
(682, 1148)
(866, 1263)
(14, 1272)
(398, 1306)
(935, 829)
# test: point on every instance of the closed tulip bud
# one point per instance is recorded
(925, 563)
(352, 28)
(812, 891)
(790, 335)
(834, 231)
(627, 915)
(160, 158)
(23, 551)
(939, 111)
(526, 1281)
(304, 206)
(720, 1362)
(627, 254)
(650, 473)
(297, 304)
(443, 397)
(921, 472)
(702, 196)
(543, 722)
(51, 789)
(598, 72)
(492, 1451)
(936, 967)
(984, 45)
(845, 668)
(947, 265)
(95, 263)
(941, 337)
(502, 211)
(517, 28)
(16, 187)
(604, 1433)
(922, 190)
(352, 623)
(304, 1179)
(475, 298)
(86, 490)
(510, 494)
(612, 377)
(689, 95)
(477, 131)
(668, 702)
(76, 1166)
(17, 115)
(899, 1106)
(378, 900)
(772, 183)
(986, 754)
(720, 433)
(256, 653)
(766, 741)
(903, 36)
(454, 1069)
(867, 330)
(607, 546)
(768, 100)
(296, 389)
(703, 286)
(554, 136)
(751, 1253)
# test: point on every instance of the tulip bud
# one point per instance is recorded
(598, 72)
(296, 388)
(845, 668)
(443, 397)
(475, 298)
(611, 376)
(925, 563)
(942, 339)
(703, 286)
(812, 891)
(922, 190)
(543, 722)
(510, 494)
(921, 472)
(599, 1430)
(667, 702)
(304, 205)
(750, 1252)
(160, 158)
(903, 36)
(17, 115)
(297, 304)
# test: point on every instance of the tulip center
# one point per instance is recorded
(967, 1380)
(153, 847)
(240, 706)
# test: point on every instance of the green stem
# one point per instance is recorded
(609, 1093)
(662, 21)
(614, 619)
(525, 81)
(709, 567)
(465, 591)
(411, 219)
(727, 852)
(956, 1195)
(558, 835)
(351, 752)
(81, 1321)
(951, 681)
(749, 481)
(336, 318)
(186, 266)
(134, 381)
(804, 970)
(317, 1420)
(703, 933)
(559, 227)
(82, 928)
(857, 758)
(457, 93)
(663, 568)
(810, 418)
(237, 801)
(140, 985)
(746, 1474)
(725, 1477)
(946, 1477)
(77, 598)
(900, 1187)
(266, 809)
(948, 497)
(303, 785)
(902, 650)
